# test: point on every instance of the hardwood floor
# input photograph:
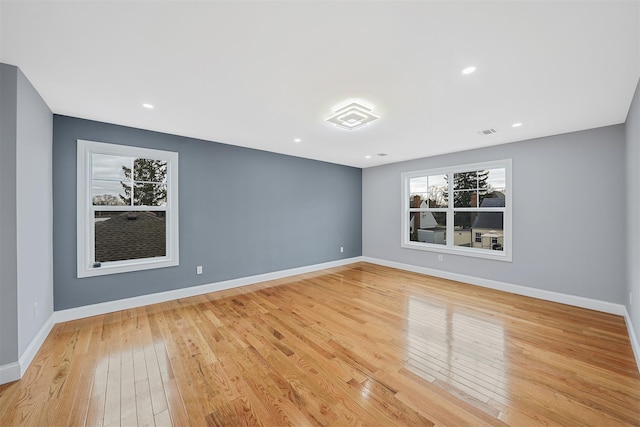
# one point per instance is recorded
(355, 345)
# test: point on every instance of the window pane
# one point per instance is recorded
(129, 235)
(465, 199)
(108, 167)
(428, 227)
(150, 170)
(465, 180)
(497, 181)
(418, 184)
(487, 230)
(492, 200)
(438, 191)
(462, 228)
(416, 200)
(437, 199)
(109, 193)
(438, 181)
(432, 190)
(150, 194)
(463, 220)
(485, 181)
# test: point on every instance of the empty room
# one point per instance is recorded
(319, 213)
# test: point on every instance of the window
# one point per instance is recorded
(127, 208)
(464, 210)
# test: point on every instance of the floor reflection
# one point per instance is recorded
(462, 352)
(130, 387)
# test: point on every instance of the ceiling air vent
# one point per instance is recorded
(487, 131)
(382, 154)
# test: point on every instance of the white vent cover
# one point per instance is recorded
(487, 131)
(352, 116)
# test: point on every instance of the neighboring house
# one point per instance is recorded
(487, 230)
(435, 235)
(130, 235)
(462, 237)
(429, 231)
(427, 227)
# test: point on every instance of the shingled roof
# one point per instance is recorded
(490, 220)
(120, 238)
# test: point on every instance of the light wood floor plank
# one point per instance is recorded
(359, 345)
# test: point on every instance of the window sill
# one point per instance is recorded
(126, 267)
(462, 251)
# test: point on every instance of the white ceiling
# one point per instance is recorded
(261, 73)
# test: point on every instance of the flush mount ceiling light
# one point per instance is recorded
(148, 106)
(468, 70)
(352, 116)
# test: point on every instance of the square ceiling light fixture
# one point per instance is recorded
(352, 116)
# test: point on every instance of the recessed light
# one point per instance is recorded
(297, 140)
(367, 157)
(516, 125)
(148, 106)
(468, 70)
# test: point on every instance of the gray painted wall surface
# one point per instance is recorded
(34, 204)
(569, 229)
(242, 212)
(633, 210)
(8, 255)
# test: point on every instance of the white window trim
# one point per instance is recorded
(449, 248)
(85, 220)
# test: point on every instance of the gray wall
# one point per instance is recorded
(242, 212)
(26, 126)
(569, 230)
(633, 211)
(34, 204)
(8, 254)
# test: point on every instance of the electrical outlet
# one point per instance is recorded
(35, 310)
(341, 248)
(199, 269)
(630, 298)
(440, 257)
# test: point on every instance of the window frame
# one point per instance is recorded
(85, 215)
(449, 247)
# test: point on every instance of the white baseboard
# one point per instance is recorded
(27, 357)
(10, 373)
(635, 345)
(14, 371)
(128, 303)
(592, 304)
